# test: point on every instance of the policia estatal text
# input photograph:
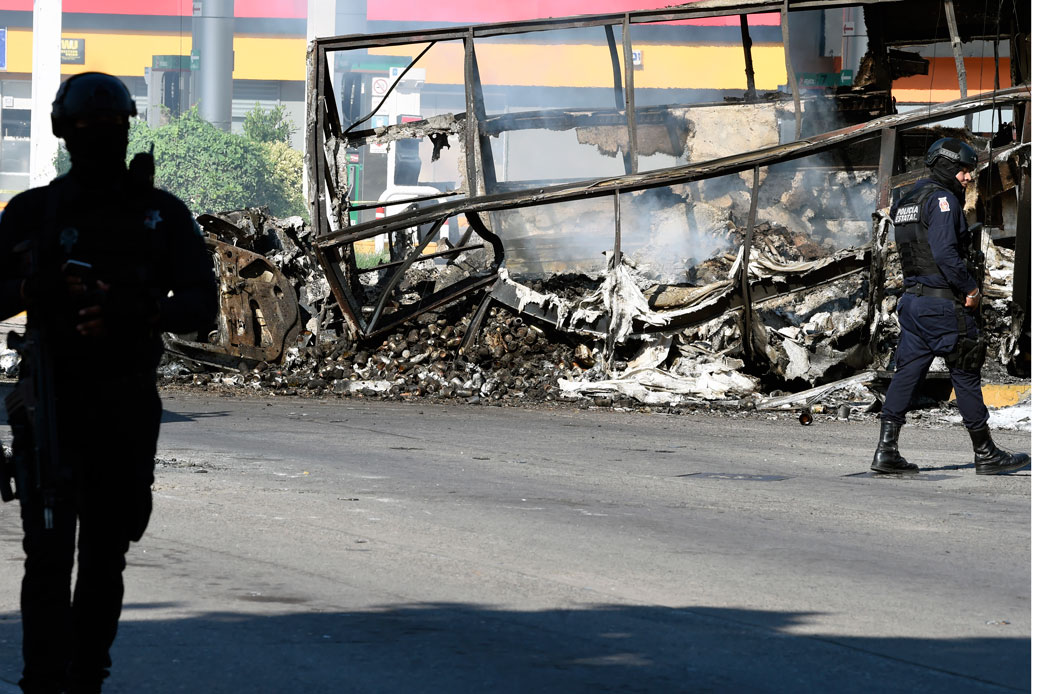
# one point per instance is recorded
(939, 309)
(103, 263)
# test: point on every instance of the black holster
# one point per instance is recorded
(969, 353)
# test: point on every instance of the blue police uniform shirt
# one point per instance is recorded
(947, 228)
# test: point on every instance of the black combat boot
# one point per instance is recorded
(990, 460)
(886, 457)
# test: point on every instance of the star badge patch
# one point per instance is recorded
(152, 218)
(944, 205)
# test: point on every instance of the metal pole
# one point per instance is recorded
(619, 89)
(216, 61)
(46, 76)
(745, 271)
(876, 281)
(749, 68)
(958, 56)
(630, 96)
(886, 167)
(617, 228)
(472, 136)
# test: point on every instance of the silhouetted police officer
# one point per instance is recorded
(936, 310)
(116, 262)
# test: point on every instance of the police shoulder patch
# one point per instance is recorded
(908, 214)
(944, 205)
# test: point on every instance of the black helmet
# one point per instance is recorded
(954, 150)
(88, 95)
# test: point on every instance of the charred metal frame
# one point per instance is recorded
(335, 238)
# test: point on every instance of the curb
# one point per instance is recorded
(998, 395)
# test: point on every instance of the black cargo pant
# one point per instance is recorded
(107, 449)
(928, 329)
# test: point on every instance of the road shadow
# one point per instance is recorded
(452, 648)
(970, 466)
(933, 468)
(169, 417)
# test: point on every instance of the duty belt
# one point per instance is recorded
(937, 292)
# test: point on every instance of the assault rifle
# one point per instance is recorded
(31, 406)
(976, 263)
(31, 412)
(970, 352)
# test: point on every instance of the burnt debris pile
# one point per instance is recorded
(509, 360)
(618, 337)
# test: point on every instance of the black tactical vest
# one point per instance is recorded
(122, 247)
(911, 234)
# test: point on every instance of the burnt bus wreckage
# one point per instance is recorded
(737, 239)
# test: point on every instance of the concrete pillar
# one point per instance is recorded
(215, 30)
(46, 76)
(351, 17)
(321, 18)
(321, 21)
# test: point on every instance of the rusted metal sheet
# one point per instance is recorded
(259, 315)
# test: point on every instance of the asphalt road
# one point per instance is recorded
(350, 546)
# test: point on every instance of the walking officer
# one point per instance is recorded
(938, 309)
(103, 263)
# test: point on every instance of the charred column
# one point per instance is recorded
(958, 56)
(749, 68)
(620, 93)
(630, 96)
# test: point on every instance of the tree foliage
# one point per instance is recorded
(268, 126)
(212, 170)
(288, 176)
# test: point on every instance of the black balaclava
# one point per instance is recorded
(98, 151)
(945, 173)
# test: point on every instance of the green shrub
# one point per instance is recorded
(268, 126)
(212, 170)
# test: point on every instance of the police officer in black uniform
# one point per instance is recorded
(937, 312)
(103, 263)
